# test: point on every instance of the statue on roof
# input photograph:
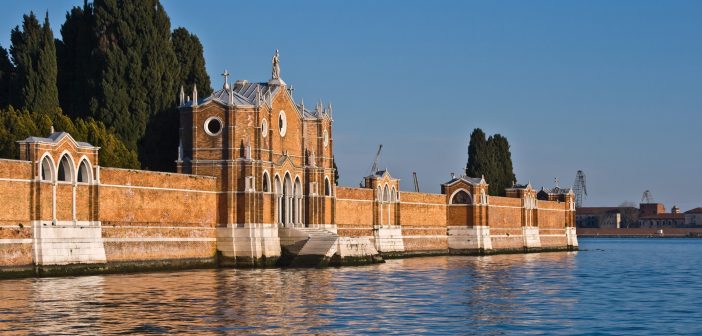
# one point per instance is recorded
(276, 65)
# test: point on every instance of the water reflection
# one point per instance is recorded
(445, 295)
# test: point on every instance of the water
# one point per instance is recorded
(614, 286)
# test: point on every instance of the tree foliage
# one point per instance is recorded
(77, 66)
(17, 125)
(117, 68)
(34, 56)
(191, 62)
(7, 71)
(491, 158)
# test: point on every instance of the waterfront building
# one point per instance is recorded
(255, 187)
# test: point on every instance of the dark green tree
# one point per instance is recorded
(34, 55)
(491, 158)
(191, 62)
(7, 71)
(77, 68)
(136, 65)
(336, 173)
(158, 149)
(503, 172)
(477, 153)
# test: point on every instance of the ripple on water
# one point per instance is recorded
(642, 286)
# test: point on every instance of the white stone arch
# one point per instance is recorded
(47, 168)
(266, 182)
(452, 199)
(85, 171)
(386, 193)
(66, 165)
(380, 194)
(393, 194)
(327, 187)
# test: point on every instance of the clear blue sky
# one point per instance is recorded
(610, 87)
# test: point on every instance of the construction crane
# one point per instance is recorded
(647, 197)
(416, 182)
(374, 167)
(579, 188)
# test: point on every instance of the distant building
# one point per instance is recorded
(606, 217)
(693, 217)
(648, 215)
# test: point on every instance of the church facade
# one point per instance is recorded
(254, 187)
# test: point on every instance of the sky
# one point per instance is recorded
(613, 88)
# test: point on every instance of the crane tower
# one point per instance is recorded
(579, 188)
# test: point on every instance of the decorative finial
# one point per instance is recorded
(225, 74)
(194, 94)
(302, 105)
(182, 96)
(52, 130)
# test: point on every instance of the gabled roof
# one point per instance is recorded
(380, 174)
(557, 191)
(694, 211)
(521, 186)
(245, 94)
(55, 138)
(476, 181)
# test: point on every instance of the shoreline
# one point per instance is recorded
(53, 271)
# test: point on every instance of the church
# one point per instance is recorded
(254, 187)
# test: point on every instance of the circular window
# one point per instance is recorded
(282, 123)
(325, 138)
(213, 126)
(264, 128)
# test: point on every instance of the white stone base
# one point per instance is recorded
(571, 237)
(388, 238)
(250, 241)
(66, 242)
(356, 247)
(531, 237)
(469, 238)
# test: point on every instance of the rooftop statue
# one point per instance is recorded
(276, 65)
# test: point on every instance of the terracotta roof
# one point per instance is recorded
(601, 210)
(664, 216)
(694, 211)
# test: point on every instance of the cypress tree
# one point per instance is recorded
(34, 55)
(191, 62)
(490, 158)
(6, 73)
(477, 148)
(77, 69)
(502, 171)
(336, 173)
(137, 65)
(158, 149)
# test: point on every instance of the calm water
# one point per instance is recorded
(635, 286)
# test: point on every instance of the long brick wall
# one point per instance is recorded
(157, 216)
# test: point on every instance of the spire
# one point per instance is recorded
(182, 96)
(194, 94)
(302, 105)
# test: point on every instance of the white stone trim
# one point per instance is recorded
(156, 239)
(17, 241)
(159, 188)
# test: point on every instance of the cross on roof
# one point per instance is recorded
(225, 74)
